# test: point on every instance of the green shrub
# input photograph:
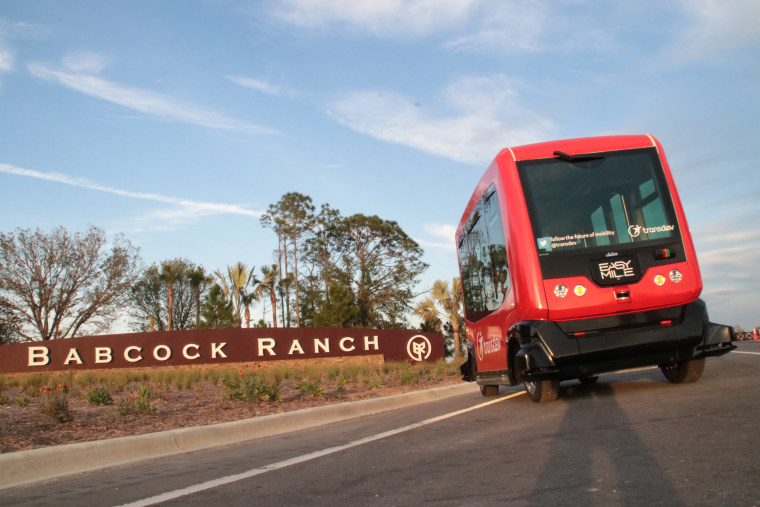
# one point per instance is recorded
(56, 405)
(407, 375)
(312, 388)
(99, 396)
(373, 381)
(22, 401)
(253, 388)
(340, 384)
(140, 405)
(256, 388)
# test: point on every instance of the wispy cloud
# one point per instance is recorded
(487, 116)
(256, 84)
(713, 27)
(395, 18)
(185, 207)
(81, 74)
(443, 235)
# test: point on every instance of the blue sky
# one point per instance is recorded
(178, 123)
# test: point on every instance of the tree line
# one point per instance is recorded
(328, 270)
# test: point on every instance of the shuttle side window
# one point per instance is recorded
(483, 258)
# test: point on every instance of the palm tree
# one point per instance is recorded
(234, 285)
(170, 274)
(198, 280)
(268, 284)
(444, 303)
(247, 299)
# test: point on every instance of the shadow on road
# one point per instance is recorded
(596, 453)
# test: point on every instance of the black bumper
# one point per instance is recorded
(587, 347)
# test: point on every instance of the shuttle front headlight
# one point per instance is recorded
(675, 276)
(560, 291)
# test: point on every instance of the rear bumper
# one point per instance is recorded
(572, 349)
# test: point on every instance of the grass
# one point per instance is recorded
(256, 383)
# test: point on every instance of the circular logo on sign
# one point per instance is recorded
(634, 231)
(418, 348)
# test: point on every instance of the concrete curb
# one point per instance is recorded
(26, 467)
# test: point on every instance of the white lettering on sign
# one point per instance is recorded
(268, 345)
(295, 347)
(342, 344)
(162, 353)
(38, 356)
(324, 345)
(73, 356)
(375, 343)
(189, 346)
(128, 356)
(216, 350)
(616, 270)
(103, 355)
(418, 349)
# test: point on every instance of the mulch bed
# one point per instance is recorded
(28, 427)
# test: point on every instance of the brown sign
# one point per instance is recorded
(217, 346)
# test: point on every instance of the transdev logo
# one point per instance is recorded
(545, 244)
(635, 231)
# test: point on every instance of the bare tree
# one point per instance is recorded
(59, 284)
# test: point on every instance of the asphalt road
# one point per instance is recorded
(631, 439)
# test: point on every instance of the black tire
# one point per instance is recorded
(588, 380)
(489, 390)
(543, 391)
(684, 372)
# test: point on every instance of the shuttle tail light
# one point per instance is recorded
(664, 253)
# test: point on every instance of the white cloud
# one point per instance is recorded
(382, 18)
(444, 233)
(186, 208)
(134, 98)
(506, 24)
(255, 84)
(85, 62)
(487, 116)
(717, 25)
(6, 60)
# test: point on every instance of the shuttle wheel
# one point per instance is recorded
(684, 372)
(542, 391)
(489, 390)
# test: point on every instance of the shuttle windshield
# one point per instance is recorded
(601, 200)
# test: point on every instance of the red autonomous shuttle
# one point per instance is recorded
(576, 259)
